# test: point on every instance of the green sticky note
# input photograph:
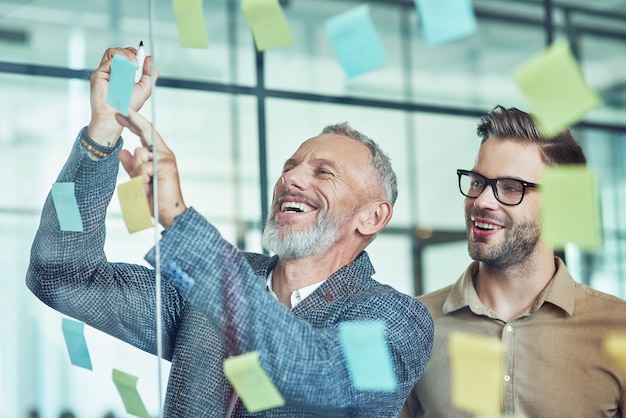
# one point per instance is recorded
(252, 384)
(66, 207)
(134, 204)
(190, 23)
(121, 83)
(73, 332)
(127, 387)
(570, 211)
(268, 23)
(477, 370)
(554, 85)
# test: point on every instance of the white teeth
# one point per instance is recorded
(294, 207)
(483, 225)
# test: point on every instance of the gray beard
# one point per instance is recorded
(314, 239)
(519, 243)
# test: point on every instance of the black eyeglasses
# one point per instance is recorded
(507, 191)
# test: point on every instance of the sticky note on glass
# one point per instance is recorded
(121, 83)
(134, 204)
(477, 373)
(367, 354)
(570, 207)
(268, 23)
(190, 23)
(127, 387)
(355, 41)
(252, 384)
(555, 88)
(73, 331)
(615, 347)
(446, 21)
(66, 207)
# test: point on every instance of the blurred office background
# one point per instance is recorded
(233, 116)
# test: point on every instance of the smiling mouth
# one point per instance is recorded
(295, 207)
(485, 225)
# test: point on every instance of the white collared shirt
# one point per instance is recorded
(298, 295)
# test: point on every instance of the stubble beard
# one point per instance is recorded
(519, 243)
(292, 244)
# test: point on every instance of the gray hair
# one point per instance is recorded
(380, 162)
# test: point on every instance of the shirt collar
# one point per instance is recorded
(297, 295)
(560, 292)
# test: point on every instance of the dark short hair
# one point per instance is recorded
(512, 123)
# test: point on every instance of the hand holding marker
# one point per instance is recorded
(141, 56)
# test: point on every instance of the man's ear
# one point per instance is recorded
(374, 216)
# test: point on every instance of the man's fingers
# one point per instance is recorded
(137, 125)
(129, 52)
(142, 128)
(127, 161)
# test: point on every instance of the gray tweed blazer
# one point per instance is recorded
(226, 312)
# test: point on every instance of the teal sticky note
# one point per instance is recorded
(127, 387)
(355, 41)
(444, 21)
(73, 331)
(570, 207)
(121, 83)
(367, 355)
(66, 207)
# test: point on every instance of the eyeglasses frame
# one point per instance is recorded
(493, 184)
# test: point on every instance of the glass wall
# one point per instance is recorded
(233, 116)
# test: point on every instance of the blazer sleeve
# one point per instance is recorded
(305, 363)
(69, 271)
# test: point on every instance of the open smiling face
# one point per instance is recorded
(322, 187)
(501, 235)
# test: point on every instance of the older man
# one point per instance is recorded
(334, 196)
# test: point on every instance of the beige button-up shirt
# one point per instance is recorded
(554, 363)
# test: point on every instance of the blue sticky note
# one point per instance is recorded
(73, 331)
(355, 41)
(367, 355)
(66, 207)
(121, 83)
(445, 21)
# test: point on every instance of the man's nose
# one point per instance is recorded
(487, 198)
(294, 178)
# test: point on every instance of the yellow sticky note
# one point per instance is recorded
(190, 23)
(268, 23)
(570, 207)
(554, 85)
(134, 205)
(254, 387)
(615, 347)
(477, 373)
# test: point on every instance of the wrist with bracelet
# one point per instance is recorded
(93, 147)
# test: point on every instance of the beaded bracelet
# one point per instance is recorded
(92, 146)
